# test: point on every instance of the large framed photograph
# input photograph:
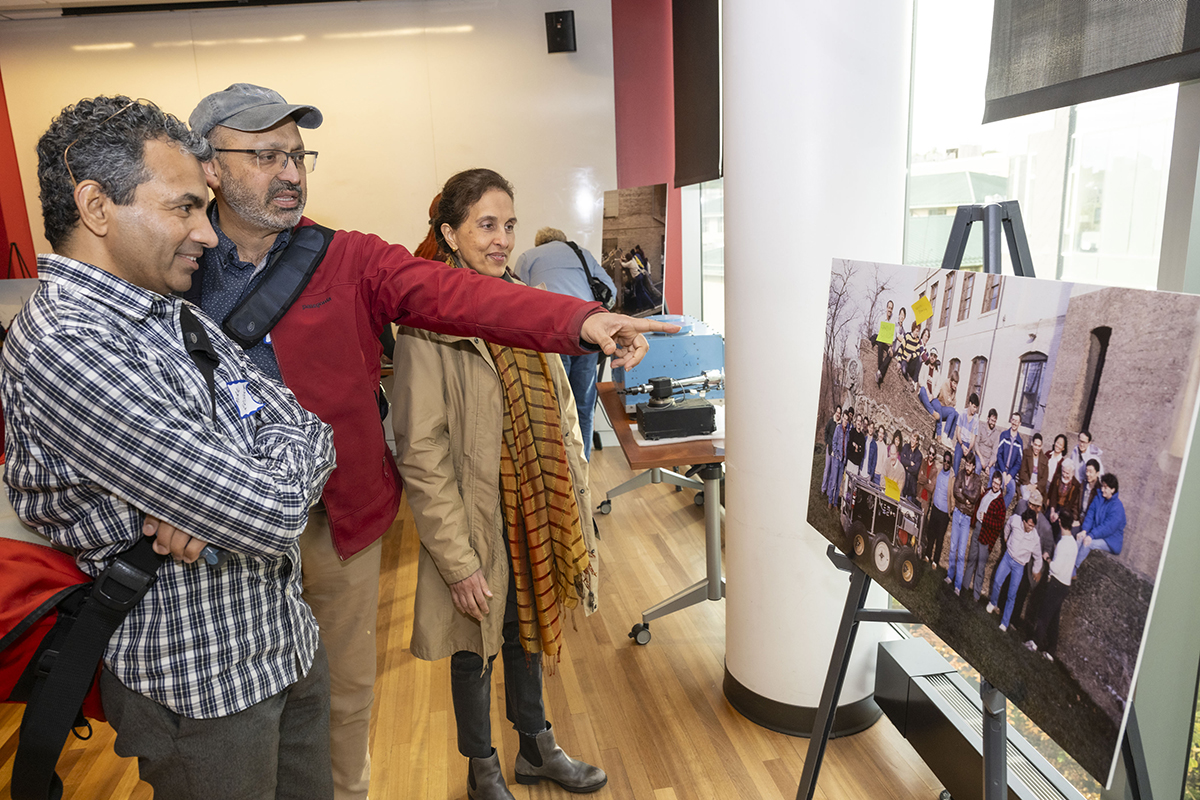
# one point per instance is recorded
(1003, 455)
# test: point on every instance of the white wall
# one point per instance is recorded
(411, 93)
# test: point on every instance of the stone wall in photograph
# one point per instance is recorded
(1100, 629)
(1143, 405)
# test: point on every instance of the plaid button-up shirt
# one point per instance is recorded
(108, 420)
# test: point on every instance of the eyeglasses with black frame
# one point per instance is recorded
(276, 161)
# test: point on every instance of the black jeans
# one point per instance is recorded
(935, 533)
(471, 688)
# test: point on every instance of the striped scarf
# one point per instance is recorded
(550, 563)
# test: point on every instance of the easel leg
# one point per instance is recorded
(1137, 777)
(995, 743)
(838, 662)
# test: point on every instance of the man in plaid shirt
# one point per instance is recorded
(216, 681)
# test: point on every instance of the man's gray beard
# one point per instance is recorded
(257, 211)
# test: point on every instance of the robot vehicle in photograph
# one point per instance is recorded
(885, 530)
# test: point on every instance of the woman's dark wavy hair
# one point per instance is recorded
(462, 191)
(107, 137)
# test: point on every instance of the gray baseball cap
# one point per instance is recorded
(246, 107)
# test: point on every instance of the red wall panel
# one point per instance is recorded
(14, 219)
(644, 97)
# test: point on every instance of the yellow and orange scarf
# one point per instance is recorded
(550, 562)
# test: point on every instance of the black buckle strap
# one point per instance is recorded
(285, 278)
(54, 702)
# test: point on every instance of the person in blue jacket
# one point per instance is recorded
(1009, 453)
(1104, 523)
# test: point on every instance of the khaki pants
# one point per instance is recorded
(344, 597)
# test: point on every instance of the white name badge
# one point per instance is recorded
(245, 402)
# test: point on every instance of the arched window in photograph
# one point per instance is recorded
(954, 368)
(1097, 352)
(1029, 386)
(978, 376)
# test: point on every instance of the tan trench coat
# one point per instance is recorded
(448, 418)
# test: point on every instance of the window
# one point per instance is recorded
(1096, 172)
(932, 302)
(953, 367)
(1029, 386)
(991, 294)
(1097, 352)
(978, 376)
(946, 302)
(964, 303)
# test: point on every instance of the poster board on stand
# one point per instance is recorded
(1051, 358)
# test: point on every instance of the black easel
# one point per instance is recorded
(852, 614)
(14, 254)
(996, 216)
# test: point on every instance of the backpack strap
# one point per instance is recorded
(285, 278)
(201, 349)
(582, 260)
(56, 697)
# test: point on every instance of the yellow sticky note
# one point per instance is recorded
(922, 309)
(887, 333)
(891, 488)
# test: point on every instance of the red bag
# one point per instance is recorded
(34, 576)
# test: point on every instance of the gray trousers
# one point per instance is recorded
(977, 558)
(277, 748)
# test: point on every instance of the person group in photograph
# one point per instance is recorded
(1002, 500)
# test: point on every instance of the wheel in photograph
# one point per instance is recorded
(698, 498)
(907, 566)
(605, 507)
(881, 555)
(858, 541)
(640, 633)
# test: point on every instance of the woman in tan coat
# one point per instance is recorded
(492, 459)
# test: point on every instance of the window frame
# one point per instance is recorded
(1019, 395)
(965, 297)
(947, 301)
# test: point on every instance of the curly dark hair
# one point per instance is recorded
(462, 191)
(106, 137)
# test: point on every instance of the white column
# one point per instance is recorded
(816, 129)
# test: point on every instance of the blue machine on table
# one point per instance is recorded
(686, 354)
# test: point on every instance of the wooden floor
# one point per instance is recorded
(653, 717)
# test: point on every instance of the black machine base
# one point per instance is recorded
(691, 417)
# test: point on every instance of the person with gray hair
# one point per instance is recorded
(112, 424)
(558, 265)
(324, 346)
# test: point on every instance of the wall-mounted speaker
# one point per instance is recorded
(560, 31)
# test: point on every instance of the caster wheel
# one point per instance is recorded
(698, 499)
(640, 633)
(605, 507)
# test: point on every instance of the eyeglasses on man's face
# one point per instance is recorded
(274, 162)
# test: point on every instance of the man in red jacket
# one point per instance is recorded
(325, 348)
